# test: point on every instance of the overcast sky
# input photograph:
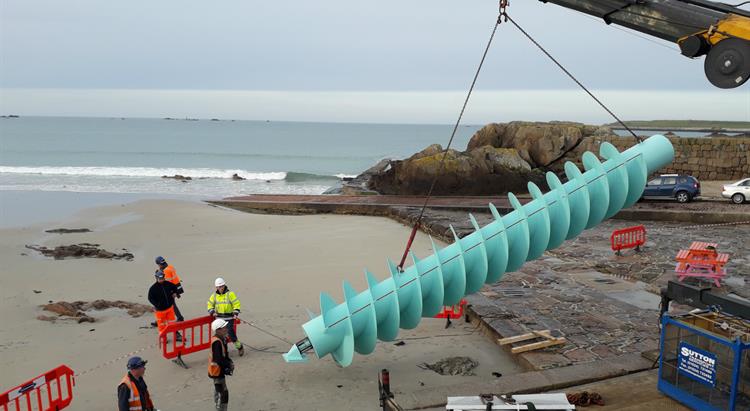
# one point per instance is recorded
(204, 59)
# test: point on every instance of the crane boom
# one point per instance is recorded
(700, 27)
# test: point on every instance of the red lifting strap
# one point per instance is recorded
(195, 336)
(51, 391)
(408, 245)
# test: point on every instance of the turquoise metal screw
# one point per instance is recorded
(442, 279)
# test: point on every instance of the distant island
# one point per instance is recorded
(183, 119)
(10, 116)
(685, 124)
(191, 119)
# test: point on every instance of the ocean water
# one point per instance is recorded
(113, 155)
(55, 166)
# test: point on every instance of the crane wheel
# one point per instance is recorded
(727, 64)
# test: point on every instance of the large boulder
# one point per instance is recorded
(500, 157)
(497, 158)
(484, 171)
(539, 144)
(489, 135)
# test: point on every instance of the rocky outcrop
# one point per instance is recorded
(68, 230)
(77, 310)
(503, 157)
(81, 250)
(484, 171)
(539, 144)
(360, 184)
(500, 157)
(179, 177)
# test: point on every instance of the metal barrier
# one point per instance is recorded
(194, 336)
(51, 391)
(704, 361)
(631, 237)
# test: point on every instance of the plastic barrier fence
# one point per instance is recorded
(453, 312)
(631, 237)
(51, 391)
(195, 335)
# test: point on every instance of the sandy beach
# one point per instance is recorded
(277, 265)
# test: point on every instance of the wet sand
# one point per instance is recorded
(277, 265)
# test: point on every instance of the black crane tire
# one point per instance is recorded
(727, 64)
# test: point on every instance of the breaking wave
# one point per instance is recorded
(195, 173)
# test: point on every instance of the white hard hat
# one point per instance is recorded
(218, 323)
(219, 282)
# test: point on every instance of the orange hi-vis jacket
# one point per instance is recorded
(171, 275)
(135, 396)
(214, 369)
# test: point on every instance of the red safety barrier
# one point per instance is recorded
(453, 312)
(631, 237)
(51, 391)
(195, 336)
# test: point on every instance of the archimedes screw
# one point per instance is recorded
(443, 278)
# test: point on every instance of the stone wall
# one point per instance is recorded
(706, 158)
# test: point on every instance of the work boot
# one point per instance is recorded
(240, 348)
(223, 407)
(153, 323)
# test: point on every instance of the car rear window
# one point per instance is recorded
(683, 180)
(669, 181)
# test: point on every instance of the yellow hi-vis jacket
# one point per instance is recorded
(224, 304)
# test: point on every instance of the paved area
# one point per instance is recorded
(634, 392)
(605, 305)
(711, 203)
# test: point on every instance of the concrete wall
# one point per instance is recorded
(714, 158)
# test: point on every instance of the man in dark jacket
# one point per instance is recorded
(219, 363)
(161, 295)
(132, 393)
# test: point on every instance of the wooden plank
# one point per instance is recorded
(538, 345)
(517, 338)
(543, 334)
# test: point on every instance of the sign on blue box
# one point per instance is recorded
(698, 364)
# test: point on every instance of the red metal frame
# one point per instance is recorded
(196, 336)
(631, 237)
(51, 391)
(451, 312)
